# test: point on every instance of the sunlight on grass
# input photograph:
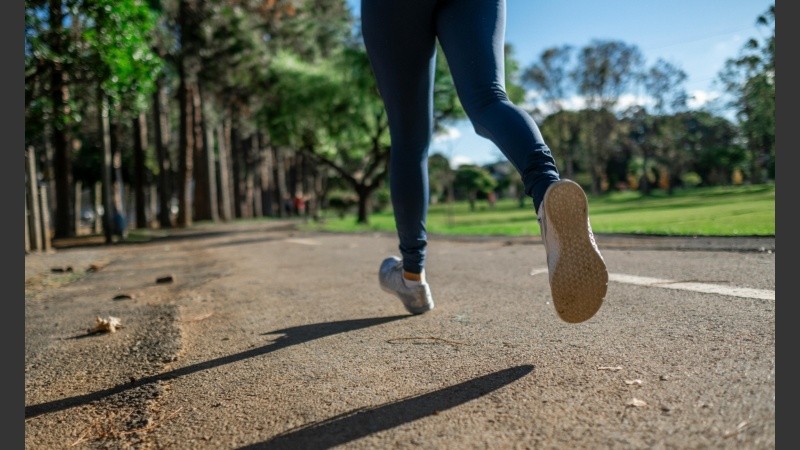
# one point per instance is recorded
(717, 211)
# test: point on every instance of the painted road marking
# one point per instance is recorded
(303, 241)
(733, 291)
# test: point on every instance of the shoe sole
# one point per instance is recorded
(414, 311)
(580, 278)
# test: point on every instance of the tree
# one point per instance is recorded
(750, 81)
(562, 130)
(71, 46)
(333, 113)
(125, 69)
(604, 72)
(473, 180)
(711, 143)
(549, 76)
(664, 83)
(440, 176)
(49, 57)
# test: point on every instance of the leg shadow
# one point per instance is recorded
(290, 336)
(359, 423)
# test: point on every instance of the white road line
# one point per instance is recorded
(302, 241)
(694, 286)
(707, 288)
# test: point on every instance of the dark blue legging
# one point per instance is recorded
(400, 37)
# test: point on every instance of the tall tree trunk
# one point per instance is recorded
(97, 206)
(48, 171)
(238, 181)
(223, 141)
(162, 154)
(27, 232)
(364, 192)
(119, 183)
(319, 194)
(105, 138)
(187, 82)
(185, 152)
(78, 206)
(258, 164)
(280, 180)
(33, 218)
(249, 182)
(265, 177)
(644, 184)
(202, 171)
(59, 96)
(210, 162)
(139, 146)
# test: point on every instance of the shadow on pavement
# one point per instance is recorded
(362, 422)
(138, 237)
(291, 336)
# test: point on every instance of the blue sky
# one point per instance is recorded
(695, 35)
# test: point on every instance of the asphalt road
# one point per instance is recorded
(272, 338)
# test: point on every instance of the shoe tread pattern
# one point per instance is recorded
(579, 280)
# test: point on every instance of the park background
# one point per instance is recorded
(151, 115)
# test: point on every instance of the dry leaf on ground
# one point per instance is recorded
(105, 324)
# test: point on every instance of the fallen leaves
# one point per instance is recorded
(635, 402)
(611, 368)
(105, 325)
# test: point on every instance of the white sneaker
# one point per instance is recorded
(417, 299)
(578, 274)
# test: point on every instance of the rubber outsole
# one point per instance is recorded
(413, 310)
(579, 279)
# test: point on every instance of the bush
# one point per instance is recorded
(342, 202)
(691, 179)
(381, 199)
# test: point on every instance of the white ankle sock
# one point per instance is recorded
(413, 283)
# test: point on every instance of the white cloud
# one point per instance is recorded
(449, 134)
(574, 103)
(699, 98)
(458, 160)
(625, 101)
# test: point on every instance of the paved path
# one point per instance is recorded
(272, 338)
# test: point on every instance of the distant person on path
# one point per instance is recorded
(400, 38)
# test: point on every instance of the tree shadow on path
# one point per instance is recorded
(362, 422)
(291, 336)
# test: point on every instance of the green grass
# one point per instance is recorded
(716, 211)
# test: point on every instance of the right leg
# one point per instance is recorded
(472, 34)
(401, 44)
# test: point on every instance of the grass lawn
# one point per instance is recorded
(715, 211)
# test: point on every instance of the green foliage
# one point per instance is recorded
(514, 88)
(440, 175)
(382, 199)
(549, 77)
(750, 82)
(605, 69)
(664, 82)
(119, 52)
(691, 179)
(473, 179)
(342, 202)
